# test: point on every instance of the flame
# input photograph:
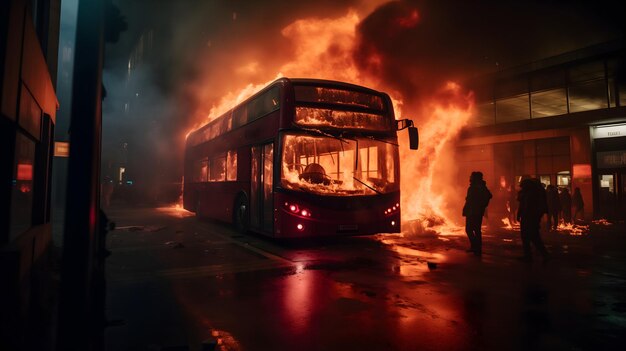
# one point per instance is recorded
(602, 221)
(324, 48)
(573, 229)
(427, 191)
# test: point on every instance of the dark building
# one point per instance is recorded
(562, 120)
(28, 104)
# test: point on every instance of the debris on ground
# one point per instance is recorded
(142, 228)
(175, 244)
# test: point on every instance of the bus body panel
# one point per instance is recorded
(342, 219)
(327, 215)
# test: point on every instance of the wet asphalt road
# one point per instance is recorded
(176, 281)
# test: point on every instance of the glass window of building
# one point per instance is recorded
(547, 79)
(588, 96)
(586, 71)
(612, 93)
(549, 103)
(512, 109)
(485, 114)
(564, 180)
(512, 86)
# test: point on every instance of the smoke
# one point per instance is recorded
(206, 56)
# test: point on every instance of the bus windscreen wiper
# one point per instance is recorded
(367, 185)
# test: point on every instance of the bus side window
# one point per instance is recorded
(255, 109)
(227, 123)
(240, 116)
(218, 168)
(231, 165)
(204, 170)
(264, 104)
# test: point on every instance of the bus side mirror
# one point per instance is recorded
(414, 138)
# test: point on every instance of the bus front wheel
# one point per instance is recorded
(241, 218)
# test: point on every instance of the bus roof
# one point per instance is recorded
(293, 81)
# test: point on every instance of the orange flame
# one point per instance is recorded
(428, 189)
(323, 48)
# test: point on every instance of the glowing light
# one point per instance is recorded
(305, 213)
(393, 223)
(293, 208)
(24, 171)
(300, 227)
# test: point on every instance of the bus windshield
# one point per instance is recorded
(327, 165)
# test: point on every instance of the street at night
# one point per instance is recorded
(174, 280)
(230, 175)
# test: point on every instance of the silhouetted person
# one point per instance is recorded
(566, 205)
(512, 200)
(106, 190)
(532, 206)
(476, 201)
(578, 204)
(554, 207)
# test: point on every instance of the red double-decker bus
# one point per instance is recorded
(300, 158)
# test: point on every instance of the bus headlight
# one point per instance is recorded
(395, 208)
(297, 210)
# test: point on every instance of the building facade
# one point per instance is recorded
(28, 105)
(562, 120)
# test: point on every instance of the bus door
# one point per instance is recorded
(261, 188)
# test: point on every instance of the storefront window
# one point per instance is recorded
(564, 180)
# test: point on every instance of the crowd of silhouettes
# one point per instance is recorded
(528, 207)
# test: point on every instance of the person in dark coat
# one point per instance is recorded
(532, 206)
(512, 200)
(476, 202)
(578, 204)
(566, 205)
(554, 207)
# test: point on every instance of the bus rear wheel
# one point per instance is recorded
(241, 218)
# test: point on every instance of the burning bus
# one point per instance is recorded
(300, 158)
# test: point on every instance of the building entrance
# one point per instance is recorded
(612, 193)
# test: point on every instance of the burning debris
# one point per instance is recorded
(602, 222)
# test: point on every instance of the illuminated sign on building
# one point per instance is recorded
(61, 149)
(611, 131)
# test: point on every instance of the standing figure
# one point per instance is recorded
(476, 201)
(578, 204)
(566, 205)
(532, 206)
(106, 191)
(554, 207)
(512, 200)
